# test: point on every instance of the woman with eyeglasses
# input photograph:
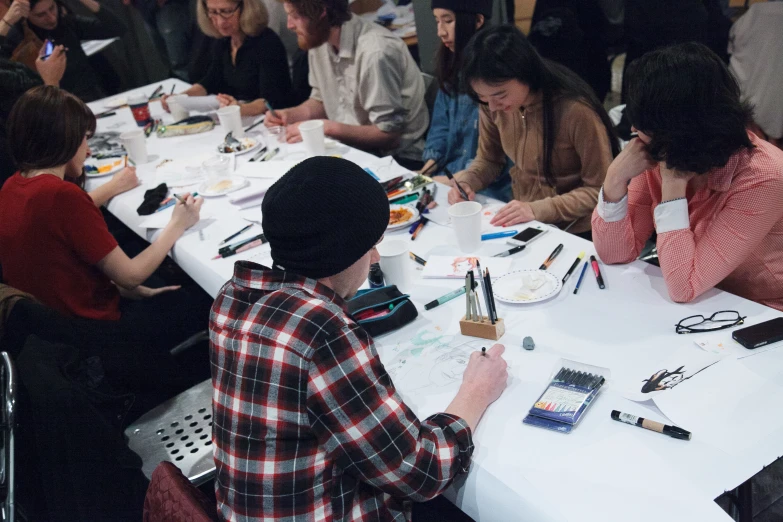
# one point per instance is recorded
(711, 190)
(249, 63)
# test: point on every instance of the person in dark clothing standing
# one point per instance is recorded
(249, 63)
(24, 30)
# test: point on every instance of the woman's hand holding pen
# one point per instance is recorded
(454, 194)
(186, 214)
(513, 213)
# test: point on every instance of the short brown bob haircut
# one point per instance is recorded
(253, 18)
(46, 127)
(337, 11)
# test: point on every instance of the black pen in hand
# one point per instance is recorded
(456, 183)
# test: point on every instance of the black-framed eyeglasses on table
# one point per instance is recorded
(717, 321)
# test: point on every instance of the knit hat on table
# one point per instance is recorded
(323, 216)
(466, 6)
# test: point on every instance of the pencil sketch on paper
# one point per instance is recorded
(431, 359)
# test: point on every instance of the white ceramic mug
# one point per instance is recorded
(135, 144)
(394, 262)
(466, 220)
(177, 111)
(312, 132)
(231, 121)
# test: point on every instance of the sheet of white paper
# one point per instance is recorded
(182, 172)
(452, 267)
(162, 218)
(717, 406)
(273, 170)
(386, 169)
(200, 103)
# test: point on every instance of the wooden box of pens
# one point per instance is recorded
(475, 323)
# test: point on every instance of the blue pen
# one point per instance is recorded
(579, 282)
(498, 235)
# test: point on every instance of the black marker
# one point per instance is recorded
(484, 351)
(671, 431)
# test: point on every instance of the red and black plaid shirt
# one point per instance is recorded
(307, 423)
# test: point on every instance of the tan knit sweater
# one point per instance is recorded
(581, 156)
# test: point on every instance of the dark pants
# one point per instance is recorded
(170, 28)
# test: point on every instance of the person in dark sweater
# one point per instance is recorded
(27, 25)
(249, 63)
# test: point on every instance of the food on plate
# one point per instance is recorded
(220, 186)
(399, 215)
(243, 144)
(531, 284)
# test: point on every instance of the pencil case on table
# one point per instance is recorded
(382, 310)
(192, 125)
(572, 388)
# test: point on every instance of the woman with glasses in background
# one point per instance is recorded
(249, 63)
(711, 190)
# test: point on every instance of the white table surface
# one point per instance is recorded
(521, 472)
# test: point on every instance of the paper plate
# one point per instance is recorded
(414, 215)
(116, 103)
(211, 189)
(251, 144)
(104, 166)
(508, 288)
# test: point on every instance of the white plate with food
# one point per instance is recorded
(116, 103)
(97, 168)
(213, 189)
(401, 216)
(246, 145)
(526, 286)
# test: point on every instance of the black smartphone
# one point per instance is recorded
(760, 334)
(48, 50)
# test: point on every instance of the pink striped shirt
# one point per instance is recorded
(729, 234)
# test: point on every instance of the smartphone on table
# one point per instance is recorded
(528, 235)
(760, 334)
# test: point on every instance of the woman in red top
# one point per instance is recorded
(712, 191)
(54, 243)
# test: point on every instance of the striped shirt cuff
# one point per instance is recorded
(672, 215)
(611, 212)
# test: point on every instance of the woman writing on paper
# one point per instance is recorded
(54, 242)
(711, 190)
(249, 63)
(453, 136)
(547, 120)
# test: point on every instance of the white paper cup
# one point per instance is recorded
(277, 140)
(135, 144)
(466, 219)
(231, 121)
(312, 132)
(394, 262)
(177, 111)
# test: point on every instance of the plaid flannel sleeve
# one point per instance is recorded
(361, 420)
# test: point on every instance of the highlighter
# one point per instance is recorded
(597, 271)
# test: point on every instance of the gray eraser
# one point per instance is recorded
(528, 343)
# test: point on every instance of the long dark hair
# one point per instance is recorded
(447, 63)
(687, 101)
(502, 53)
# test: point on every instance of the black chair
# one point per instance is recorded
(7, 429)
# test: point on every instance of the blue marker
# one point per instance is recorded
(498, 235)
(579, 282)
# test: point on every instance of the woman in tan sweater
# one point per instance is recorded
(547, 120)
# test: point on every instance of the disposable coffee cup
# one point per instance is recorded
(394, 262)
(466, 220)
(135, 144)
(178, 112)
(140, 107)
(231, 121)
(313, 137)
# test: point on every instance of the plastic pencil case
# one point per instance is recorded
(192, 125)
(382, 310)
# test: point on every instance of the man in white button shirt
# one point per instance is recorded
(365, 85)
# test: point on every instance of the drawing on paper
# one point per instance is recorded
(431, 359)
(666, 380)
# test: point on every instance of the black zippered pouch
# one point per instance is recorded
(382, 310)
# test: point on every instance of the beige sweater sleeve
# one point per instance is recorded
(490, 157)
(588, 136)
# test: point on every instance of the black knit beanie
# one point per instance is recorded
(466, 6)
(323, 216)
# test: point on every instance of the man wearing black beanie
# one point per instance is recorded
(307, 423)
